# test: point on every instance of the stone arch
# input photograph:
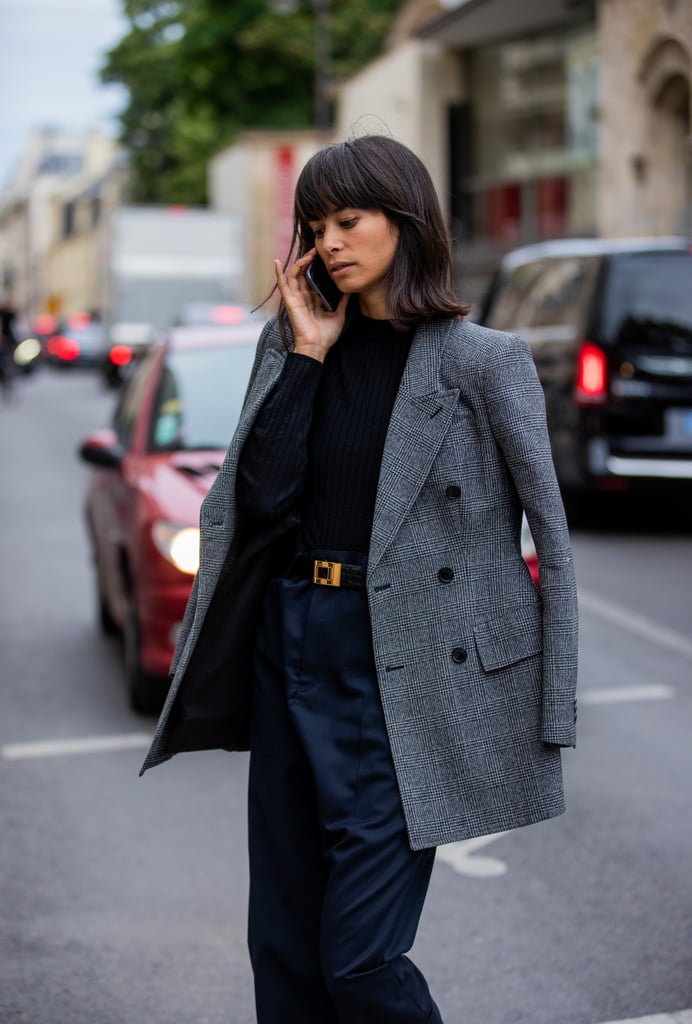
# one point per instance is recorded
(665, 58)
(665, 74)
(673, 98)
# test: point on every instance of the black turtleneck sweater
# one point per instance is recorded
(317, 442)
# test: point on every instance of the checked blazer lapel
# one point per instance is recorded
(420, 419)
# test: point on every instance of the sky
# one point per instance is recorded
(49, 59)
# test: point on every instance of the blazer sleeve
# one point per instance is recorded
(516, 410)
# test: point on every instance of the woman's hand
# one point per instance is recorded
(315, 329)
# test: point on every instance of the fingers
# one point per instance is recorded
(280, 279)
(297, 268)
(296, 273)
(289, 282)
(292, 282)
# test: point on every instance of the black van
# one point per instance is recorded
(609, 323)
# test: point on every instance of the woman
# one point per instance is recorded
(361, 575)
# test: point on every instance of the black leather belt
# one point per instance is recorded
(328, 574)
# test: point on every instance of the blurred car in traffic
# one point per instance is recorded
(27, 354)
(126, 343)
(220, 314)
(151, 470)
(609, 323)
(28, 351)
(79, 342)
(33, 340)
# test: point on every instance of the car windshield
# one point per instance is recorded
(649, 300)
(199, 398)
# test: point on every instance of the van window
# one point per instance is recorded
(546, 298)
(649, 295)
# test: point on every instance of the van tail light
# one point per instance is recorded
(592, 375)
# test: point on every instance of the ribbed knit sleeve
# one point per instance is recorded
(273, 462)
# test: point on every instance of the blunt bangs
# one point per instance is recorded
(333, 180)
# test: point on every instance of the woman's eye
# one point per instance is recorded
(349, 223)
(318, 232)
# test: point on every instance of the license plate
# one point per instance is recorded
(679, 423)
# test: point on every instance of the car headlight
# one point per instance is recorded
(26, 351)
(178, 544)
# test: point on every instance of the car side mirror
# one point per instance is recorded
(103, 449)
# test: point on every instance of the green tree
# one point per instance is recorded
(199, 71)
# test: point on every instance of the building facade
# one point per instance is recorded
(51, 218)
(541, 119)
(76, 265)
(646, 130)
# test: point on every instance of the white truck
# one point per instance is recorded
(158, 259)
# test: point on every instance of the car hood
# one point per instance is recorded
(176, 483)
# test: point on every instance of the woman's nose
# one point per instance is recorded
(332, 242)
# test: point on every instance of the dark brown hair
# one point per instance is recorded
(375, 172)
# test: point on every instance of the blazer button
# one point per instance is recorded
(459, 655)
(445, 575)
(453, 491)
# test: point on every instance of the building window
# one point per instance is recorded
(551, 207)
(508, 212)
(69, 218)
(530, 139)
(503, 212)
(68, 164)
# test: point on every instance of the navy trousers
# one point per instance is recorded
(335, 890)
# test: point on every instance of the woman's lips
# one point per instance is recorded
(339, 268)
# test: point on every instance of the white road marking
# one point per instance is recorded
(625, 694)
(635, 623)
(455, 854)
(85, 745)
(460, 859)
(679, 1017)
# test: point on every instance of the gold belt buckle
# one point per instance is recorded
(327, 574)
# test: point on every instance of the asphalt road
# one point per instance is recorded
(123, 900)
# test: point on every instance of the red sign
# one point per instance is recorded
(285, 184)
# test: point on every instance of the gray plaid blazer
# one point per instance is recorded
(476, 668)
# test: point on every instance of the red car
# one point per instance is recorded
(152, 468)
(528, 550)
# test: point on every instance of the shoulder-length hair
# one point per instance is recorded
(375, 172)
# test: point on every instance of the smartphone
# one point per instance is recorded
(322, 284)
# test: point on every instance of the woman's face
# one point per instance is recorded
(357, 247)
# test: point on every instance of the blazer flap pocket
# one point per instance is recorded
(511, 637)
